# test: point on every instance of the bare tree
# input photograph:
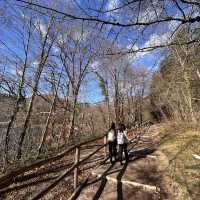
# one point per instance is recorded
(21, 86)
(76, 59)
(45, 50)
(55, 91)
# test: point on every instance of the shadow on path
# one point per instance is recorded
(100, 189)
(103, 183)
(141, 152)
(133, 156)
(119, 182)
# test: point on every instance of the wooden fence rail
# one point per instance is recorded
(65, 174)
(68, 169)
(78, 162)
(9, 178)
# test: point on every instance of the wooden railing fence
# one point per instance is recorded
(74, 167)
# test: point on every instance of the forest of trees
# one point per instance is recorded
(175, 92)
(50, 55)
(53, 52)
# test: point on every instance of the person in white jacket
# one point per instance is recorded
(122, 141)
(112, 142)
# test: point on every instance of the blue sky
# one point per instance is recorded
(152, 35)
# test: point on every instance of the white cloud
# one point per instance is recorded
(147, 15)
(141, 54)
(95, 65)
(154, 40)
(79, 34)
(75, 32)
(135, 55)
(132, 47)
(35, 63)
(112, 4)
(55, 49)
(173, 25)
(151, 12)
(41, 27)
(20, 72)
(115, 13)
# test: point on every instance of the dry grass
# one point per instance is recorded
(179, 141)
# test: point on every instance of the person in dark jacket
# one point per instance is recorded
(112, 142)
(122, 141)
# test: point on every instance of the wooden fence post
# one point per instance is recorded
(105, 148)
(77, 155)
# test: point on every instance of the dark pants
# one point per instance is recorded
(123, 148)
(112, 150)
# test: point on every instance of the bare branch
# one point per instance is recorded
(94, 19)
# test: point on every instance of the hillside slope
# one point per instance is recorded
(179, 142)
